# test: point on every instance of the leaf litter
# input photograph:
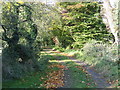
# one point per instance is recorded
(55, 77)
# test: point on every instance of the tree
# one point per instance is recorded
(83, 22)
(45, 16)
(19, 26)
(110, 12)
(17, 23)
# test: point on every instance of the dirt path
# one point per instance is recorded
(100, 82)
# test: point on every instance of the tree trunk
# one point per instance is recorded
(108, 8)
(56, 41)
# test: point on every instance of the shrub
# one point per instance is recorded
(18, 63)
(103, 57)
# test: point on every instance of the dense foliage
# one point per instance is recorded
(81, 22)
(25, 29)
(17, 23)
(20, 53)
(29, 27)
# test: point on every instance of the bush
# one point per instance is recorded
(103, 57)
(18, 62)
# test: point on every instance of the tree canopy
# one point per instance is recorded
(80, 22)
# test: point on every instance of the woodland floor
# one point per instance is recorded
(64, 71)
(69, 81)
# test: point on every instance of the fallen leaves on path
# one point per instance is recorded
(55, 78)
(58, 65)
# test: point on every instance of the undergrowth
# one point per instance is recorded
(103, 57)
(31, 80)
(15, 67)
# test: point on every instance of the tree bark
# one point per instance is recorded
(109, 15)
(56, 41)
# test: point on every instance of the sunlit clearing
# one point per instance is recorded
(60, 60)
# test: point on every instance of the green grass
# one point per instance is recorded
(70, 50)
(31, 81)
(80, 79)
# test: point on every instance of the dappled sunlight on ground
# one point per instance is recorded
(55, 53)
(60, 60)
(69, 55)
(64, 71)
(100, 82)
